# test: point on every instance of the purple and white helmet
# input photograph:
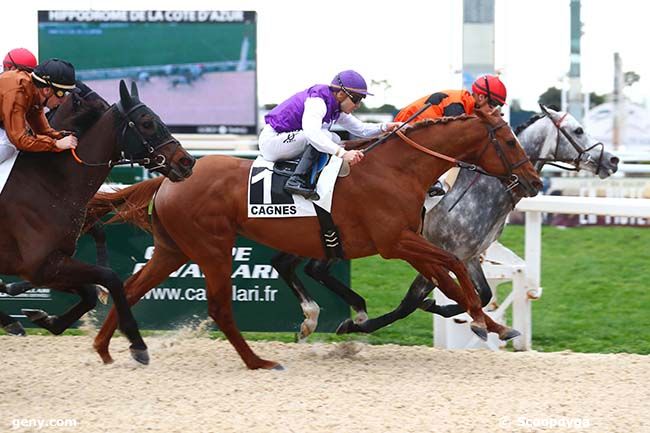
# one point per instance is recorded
(351, 81)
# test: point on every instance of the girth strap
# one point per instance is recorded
(329, 234)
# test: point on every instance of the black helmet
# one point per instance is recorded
(55, 73)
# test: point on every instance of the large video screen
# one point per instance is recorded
(196, 69)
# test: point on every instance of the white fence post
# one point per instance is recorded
(521, 305)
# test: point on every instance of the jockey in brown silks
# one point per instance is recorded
(23, 97)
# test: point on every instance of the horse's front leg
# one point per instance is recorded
(11, 325)
(286, 265)
(17, 288)
(57, 324)
(64, 271)
(447, 286)
(433, 263)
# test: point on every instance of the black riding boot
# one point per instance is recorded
(437, 189)
(300, 181)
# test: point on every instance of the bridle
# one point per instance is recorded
(511, 178)
(575, 162)
(129, 126)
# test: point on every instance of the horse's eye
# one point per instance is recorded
(579, 131)
(511, 143)
(148, 124)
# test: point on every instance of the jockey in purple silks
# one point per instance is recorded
(302, 123)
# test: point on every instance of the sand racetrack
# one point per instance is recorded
(195, 384)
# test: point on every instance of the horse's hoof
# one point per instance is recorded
(307, 328)
(106, 357)
(480, 332)
(15, 328)
(347, 326)
(140, 355)
(509, 334)
(34, 315)
(262, 364)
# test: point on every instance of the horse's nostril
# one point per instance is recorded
(614, 160)
(187, 162)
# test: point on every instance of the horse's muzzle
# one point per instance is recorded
(531, 188)
(181, 169)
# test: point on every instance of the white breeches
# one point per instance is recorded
(7, 149)
(276, 146)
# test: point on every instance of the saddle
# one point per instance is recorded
(285, 168)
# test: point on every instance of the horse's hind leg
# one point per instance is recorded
(57, 324)
(432, 262)
(217, 272)
(319, 270)
(163, 262)
(419, 289)
(64, 271)
(286, 265)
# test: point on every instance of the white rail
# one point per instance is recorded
(630, 207)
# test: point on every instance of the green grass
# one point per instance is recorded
(596, 293)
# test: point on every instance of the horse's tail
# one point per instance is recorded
(130, 204)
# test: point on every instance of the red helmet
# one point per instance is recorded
(19, 58)
(492, 87)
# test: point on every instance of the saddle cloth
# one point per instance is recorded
(267, 198)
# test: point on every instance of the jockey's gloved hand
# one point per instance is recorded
(352, 156)
(69, 142)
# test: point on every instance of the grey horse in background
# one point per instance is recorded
(465, 222)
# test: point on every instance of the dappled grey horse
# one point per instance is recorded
(465, 222)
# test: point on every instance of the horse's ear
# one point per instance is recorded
(544, 110)
(134, 90)
(125, 98)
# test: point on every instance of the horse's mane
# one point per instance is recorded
(534, 118)
(361, 143)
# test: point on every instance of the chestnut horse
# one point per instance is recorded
(43, 204)
(464, 222)
(377, 209)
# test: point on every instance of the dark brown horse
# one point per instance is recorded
(42, 206)
(377, 209)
